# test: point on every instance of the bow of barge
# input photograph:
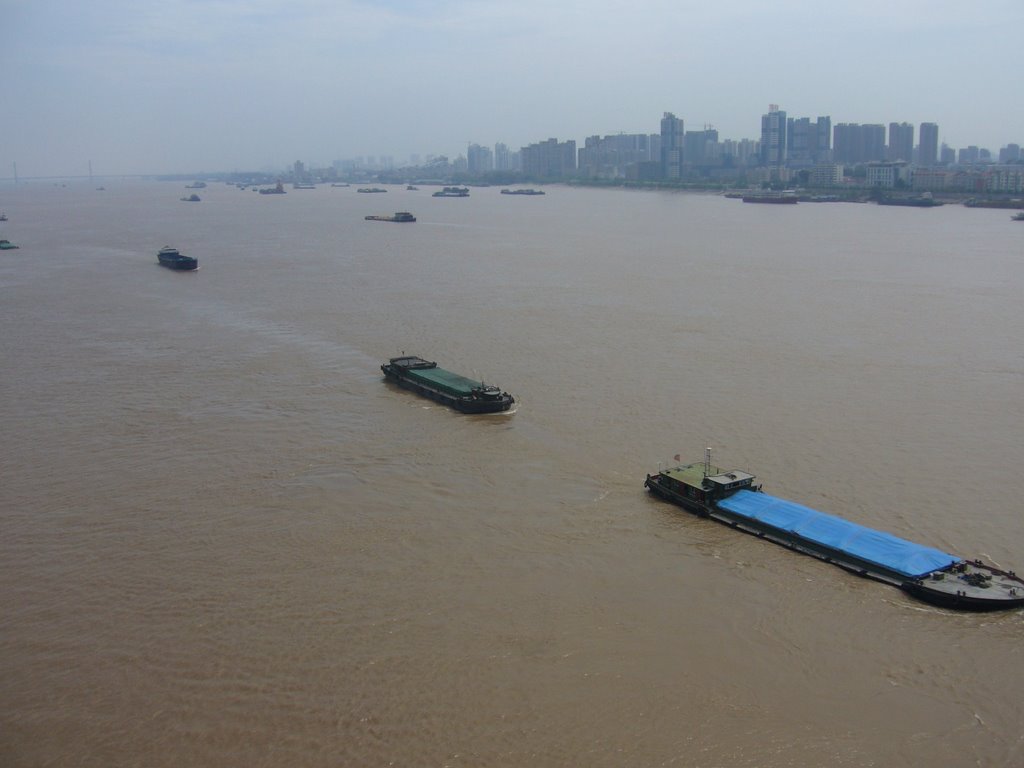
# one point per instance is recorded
(936, 577)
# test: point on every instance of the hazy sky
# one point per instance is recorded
(153, 86)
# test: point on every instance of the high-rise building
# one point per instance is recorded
(1010, 153)
(549, 159)
(928, 149)
(854, 143)
(901, 142)
(502, 158)
(773, 136)
(699, 146)
(969, 155)
(847, 143)
(671, 146)
(822, 146)
(479, 159)
(808, 142)
(874, 142)
(612, 156)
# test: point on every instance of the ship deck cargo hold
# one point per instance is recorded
(876, 550)
(446, 381)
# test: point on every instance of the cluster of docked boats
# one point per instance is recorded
(731, 497)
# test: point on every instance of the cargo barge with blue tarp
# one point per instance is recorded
(425, 378)
(730, 497)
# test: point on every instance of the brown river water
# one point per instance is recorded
(225, 541)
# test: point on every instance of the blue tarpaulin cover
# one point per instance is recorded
(877, 547)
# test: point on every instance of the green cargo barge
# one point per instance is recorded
(425, 378)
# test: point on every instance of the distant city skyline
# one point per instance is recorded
(182, 87)
(769, 154)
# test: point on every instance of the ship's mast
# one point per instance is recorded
(707, 461)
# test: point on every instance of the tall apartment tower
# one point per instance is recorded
(901, 142)
(807, 142)
(874, 141)
(479, 159)
(773, 136)
(823, 138)
(549, 159)
(672, 137)
(502, 158)
(928, 150)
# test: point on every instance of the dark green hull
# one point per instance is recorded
(424, 378)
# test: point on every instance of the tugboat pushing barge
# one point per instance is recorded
(425, 378)
(730, 497)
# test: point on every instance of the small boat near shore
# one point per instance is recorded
(1018, 216)
(730, 497)
(425, 378)
(370, 190)
(193, 198)
(7, 245)
(399, 216)
(172, 258)
(452, 192)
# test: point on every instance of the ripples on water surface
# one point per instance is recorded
(225, 541)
